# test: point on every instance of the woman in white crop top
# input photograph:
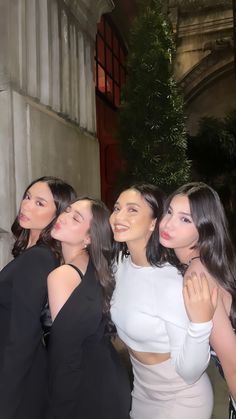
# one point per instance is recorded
(196, 207)
(169, 350)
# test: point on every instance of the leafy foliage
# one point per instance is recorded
(152, 131)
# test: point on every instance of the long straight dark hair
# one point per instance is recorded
(154, 197)
(100, 249)
(63, 194)
(215, 246)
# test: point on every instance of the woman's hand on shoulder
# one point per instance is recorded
(200, 302)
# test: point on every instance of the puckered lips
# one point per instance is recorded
(57, 226)
(164, 235)
(23, 217)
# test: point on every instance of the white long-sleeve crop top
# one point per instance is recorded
(148, 310)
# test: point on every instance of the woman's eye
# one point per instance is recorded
(39, 204)
(186, 220)
(132, 210)
(115, 209)
(78, 218)
(168, 211)
(26, 196)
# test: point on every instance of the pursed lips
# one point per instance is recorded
(23, 217)
(164, 235)
(57, 226)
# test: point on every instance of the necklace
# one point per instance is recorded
(194, 257)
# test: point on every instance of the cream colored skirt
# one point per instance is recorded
(160, 393)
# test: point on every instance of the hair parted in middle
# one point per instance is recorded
(154, 197)
(100, 247)
(63, 194)
(215, 246)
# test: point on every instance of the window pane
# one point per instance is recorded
(116, 70)
(109, 88)
(108, 34)
(100, 50)
(115, 46)
(109, 61)
(101, 79)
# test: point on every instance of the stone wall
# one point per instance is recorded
(47, 99)
(204, 62)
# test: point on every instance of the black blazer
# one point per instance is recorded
(23, 291)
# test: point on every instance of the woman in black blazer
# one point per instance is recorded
(23, 292)
(86, 378)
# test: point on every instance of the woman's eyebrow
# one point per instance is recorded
(41, 199)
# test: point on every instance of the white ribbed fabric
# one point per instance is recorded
(148, 310)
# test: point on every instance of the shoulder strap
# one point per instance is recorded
(77, 269)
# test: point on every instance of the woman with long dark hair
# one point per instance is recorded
(23, 294)
(86, 378)
(195, 230)
(169, 351)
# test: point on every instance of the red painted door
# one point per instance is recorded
(110, 161)
(110, 73)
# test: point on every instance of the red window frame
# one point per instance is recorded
(110, 61)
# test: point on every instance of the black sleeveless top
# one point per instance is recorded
(86, 378)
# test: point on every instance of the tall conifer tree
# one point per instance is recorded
(151, 129)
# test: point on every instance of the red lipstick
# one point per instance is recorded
(23, 217)
(57, 226)
(165, 235)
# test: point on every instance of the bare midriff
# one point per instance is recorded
(149, 358)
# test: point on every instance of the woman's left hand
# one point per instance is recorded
(200, 302)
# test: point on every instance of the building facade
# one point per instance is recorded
(60, 80)
(47, 99)
(204, 62)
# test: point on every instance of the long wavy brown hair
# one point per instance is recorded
(100, 249)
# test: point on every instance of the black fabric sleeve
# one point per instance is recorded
(29, 288)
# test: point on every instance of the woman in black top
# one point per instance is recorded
(23, 291)
(86, 378)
